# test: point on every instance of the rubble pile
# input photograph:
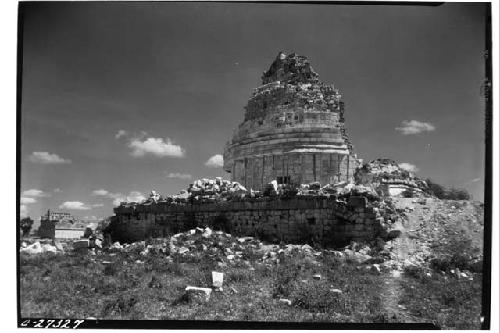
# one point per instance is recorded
(39, 247)
(342, 190)
(384, 174)
(215, 188)
(218, 189)
(229, 251)
(218, 245)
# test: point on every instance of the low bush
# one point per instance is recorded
(119, 307)
(316, 296)
(444, 193)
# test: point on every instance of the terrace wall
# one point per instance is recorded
(276, 219)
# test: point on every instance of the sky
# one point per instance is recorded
(119, 99)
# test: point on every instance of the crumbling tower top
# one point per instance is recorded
(291, 69)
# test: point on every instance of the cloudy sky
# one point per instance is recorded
(122, 98)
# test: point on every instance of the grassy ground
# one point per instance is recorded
(82, 286)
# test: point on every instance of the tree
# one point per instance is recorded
(435, 189)
(458, 194)
(25, 224)
(441, 192)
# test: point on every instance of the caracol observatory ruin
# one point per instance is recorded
(294, 173)
(293, 130)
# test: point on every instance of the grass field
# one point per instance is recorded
(127, 285)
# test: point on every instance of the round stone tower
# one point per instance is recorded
(293, 130)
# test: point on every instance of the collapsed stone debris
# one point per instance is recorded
(387, 178)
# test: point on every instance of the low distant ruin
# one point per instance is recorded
(294, 175)
(61, 225)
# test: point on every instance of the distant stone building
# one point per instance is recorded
(56, 216)
(293, 130)
(61, 225)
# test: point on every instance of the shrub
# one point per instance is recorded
(25, 224)
(110, 270)
(317, 297)
(458, 194)
(239, 275)
(435, 189)
(285, 277)
(408, 193)
(458, 253)
(416, 272)
(442, 192)
(120, 306)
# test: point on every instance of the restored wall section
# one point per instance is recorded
(289, 220)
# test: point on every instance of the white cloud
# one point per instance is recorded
(35, 193)
(475, 180)
(179, 175)
(215, 161)
(409, 127)
(23, 211)
(43, 157)
(26, 201)
(120, 134)
(101, 192)
(155, 146)
(118, 200)
(76, 205)
(133, 196)
(408, 167)
(57, 190)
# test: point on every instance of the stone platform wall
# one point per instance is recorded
(291, 220)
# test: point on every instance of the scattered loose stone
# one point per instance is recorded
(183, 250)
(217, 279)
(375, 268)
(285, 301)
(196, 291)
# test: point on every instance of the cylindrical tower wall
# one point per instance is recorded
(293, 131)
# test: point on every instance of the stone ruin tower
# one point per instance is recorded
(293, 130)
